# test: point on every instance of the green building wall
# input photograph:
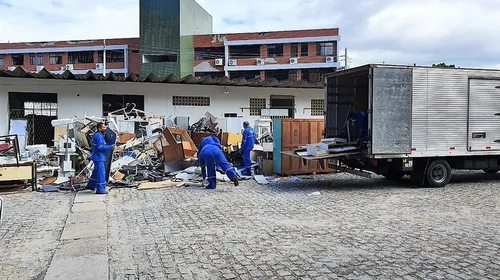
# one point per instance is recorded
(167, 27)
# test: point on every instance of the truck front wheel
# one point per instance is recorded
(438, 173)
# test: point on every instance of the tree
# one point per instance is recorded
(443, 65)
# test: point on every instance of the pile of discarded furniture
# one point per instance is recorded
(151, 151)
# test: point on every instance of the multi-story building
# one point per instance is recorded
(166, 35)
(284, 55)
(122, 56)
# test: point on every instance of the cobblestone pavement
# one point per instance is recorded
(30, 232)
(352, 229)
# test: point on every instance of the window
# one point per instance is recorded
(32, 59)
(211, 74)
(275, 50)
(279, 75)
(325, 49)
(294, 50)
(249, 75)
(2, 59)
(55, 58)
(256, 106)
(316, 75)
(317, 107)
(40, 108)
(190, 101)
(208, 53)
(152, 58)
(114, 102)
(80, 57)
(17, 59)
(112, 56)
(249, 51)
(304, 49)
(40, 59)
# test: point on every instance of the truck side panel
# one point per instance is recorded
(440, 111)
(392, 110)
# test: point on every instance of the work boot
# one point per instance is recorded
(210, 187)
(104, 192)
(235, 181)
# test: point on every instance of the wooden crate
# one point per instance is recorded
(288, 135)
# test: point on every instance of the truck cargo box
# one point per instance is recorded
(416, 111)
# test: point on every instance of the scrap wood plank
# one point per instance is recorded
(158, 185)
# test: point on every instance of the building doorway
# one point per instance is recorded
(38, 109)
(283, 102)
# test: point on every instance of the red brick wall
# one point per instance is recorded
(82, 43)
(134, 58)
(206, 40)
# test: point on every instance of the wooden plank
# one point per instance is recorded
(157, 185)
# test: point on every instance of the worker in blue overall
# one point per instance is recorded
(209, 157)
(362, 121)
(247, 145)
(97, 180)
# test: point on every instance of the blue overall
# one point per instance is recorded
(210, 140)
(361, 119)
(247, 145)
(210, 156)
(97, 180)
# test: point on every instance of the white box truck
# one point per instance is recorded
(419, 121)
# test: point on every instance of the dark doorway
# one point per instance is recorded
(38, 109)
(283, 102)
(114, 102)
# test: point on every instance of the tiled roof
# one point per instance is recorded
(19, 72)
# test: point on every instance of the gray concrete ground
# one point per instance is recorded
(33, 223)
(352, 229)
(335, 226)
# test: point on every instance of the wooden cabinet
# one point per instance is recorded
(288, 135)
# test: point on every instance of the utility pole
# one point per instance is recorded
(104, 58)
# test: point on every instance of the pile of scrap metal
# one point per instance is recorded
(145, 150)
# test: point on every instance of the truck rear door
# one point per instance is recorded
(484, 114)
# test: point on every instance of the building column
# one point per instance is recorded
(299, 74)
(226, 60)
(263, 75)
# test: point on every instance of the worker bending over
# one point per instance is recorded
(210, 156)
(247, 145)
(97, 180)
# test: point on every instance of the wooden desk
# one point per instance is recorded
(24, 171)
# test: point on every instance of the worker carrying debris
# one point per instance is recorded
(211, 155)
(97, 180)
(247, 145)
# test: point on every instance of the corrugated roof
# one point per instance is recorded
(19, 72)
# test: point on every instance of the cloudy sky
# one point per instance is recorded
(461, 32)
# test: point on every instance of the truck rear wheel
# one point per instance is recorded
(491, 170)
(438, 173)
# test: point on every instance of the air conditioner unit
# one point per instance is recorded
(39, 68)
(329, 59)
(260, 61)
(99, 66)
(69, 67)
(12, 68)
(294, 60)
(232, 62)
(219, 62)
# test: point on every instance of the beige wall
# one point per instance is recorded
(77, 98)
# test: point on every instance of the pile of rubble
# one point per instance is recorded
(151, 151)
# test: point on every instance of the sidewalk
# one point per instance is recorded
(82, 252)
